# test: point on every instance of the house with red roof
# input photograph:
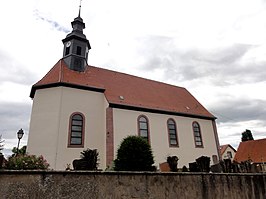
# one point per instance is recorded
(227, 151)
(252, 150)
(77, 106)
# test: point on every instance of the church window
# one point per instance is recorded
(197, 134)
(67, 50)
(172, 133)
(76, 130)
(78, 50)
(143, 126)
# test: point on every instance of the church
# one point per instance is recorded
(77, 106)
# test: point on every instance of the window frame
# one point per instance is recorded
(200, 135)
(169, 137)
(70, 131)
(148, 128)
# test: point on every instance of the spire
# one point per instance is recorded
(76, 45)
(79, 8)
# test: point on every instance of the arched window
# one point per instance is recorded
(197, 134)
(143, 126)
(172, 133)
(76, 130)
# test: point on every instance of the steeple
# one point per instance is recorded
(76, 46)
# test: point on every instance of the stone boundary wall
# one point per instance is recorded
(127, 185)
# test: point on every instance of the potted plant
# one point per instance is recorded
(89, 160)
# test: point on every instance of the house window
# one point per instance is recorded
(214, 159)
(229, 154)
(197, 134)
(172, 133)
(143, 126)
(76, 130)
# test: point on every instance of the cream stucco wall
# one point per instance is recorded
(125, 123)
(49, 124)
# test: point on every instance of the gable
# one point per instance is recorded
(126, 91)
(223, 148)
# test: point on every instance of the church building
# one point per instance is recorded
(77, 106)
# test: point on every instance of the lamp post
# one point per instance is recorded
(20, 134)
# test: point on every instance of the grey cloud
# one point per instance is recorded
(221, 65)
(53, 23)
(12, 70)
(227, 55)
(13, 116)
(240, 110)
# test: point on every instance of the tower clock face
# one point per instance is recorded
(68, 43)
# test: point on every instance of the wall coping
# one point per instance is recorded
(50, 172)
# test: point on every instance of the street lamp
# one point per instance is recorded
(20, 134)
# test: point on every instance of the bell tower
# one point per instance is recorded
(76, 46)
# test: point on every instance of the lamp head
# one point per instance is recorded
(20, 134)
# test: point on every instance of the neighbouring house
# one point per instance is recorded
(77, 106)
(254, 151)
(227, 151)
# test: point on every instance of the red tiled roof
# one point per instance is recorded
(224, 147)
(135, 91)
(253, 149)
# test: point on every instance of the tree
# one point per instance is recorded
(247, 135)
(134, 154)
(1, 144)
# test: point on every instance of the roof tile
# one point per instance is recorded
(253, 149)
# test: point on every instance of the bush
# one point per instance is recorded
(134, 154)
(26, 162)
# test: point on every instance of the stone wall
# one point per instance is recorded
(125, 185)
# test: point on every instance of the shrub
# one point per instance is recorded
(26, 162)
(134, 154)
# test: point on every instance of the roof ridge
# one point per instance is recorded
(144, 78)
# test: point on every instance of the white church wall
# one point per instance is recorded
(68, 101)
(125, 123)
(44, 124)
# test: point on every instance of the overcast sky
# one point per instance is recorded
(214, 48)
